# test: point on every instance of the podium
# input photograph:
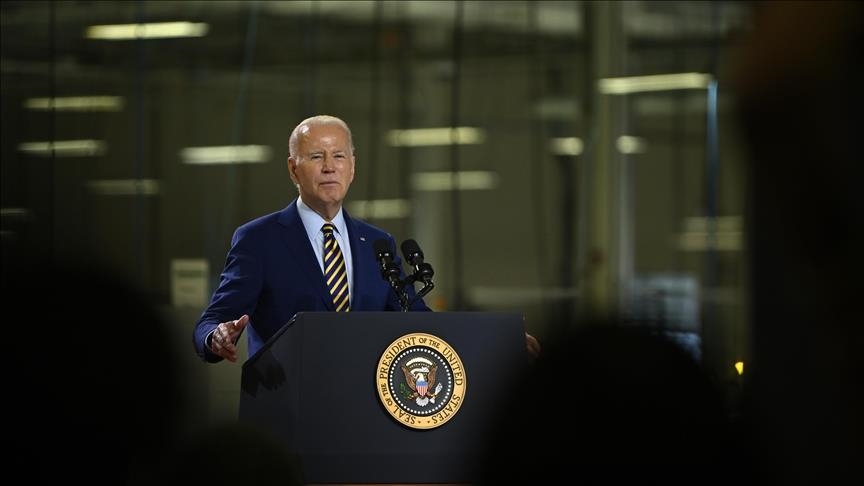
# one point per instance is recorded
(315, 386)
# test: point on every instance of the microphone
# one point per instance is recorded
(414, 256)
(389, 270)
(422, 271)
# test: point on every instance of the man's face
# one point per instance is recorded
(323, 167)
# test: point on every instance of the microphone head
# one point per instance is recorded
(383, 253)
(382, 248)
(412, 252)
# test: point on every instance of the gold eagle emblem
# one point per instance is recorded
(423, 375)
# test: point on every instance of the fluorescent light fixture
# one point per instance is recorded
(727, 234)
(721, 223)
(627, 144)
(699, 241)
(380, 208)
(15, 213)
(424, 137)
(75, 103)
(566, 146)
(226, 154)
(517, 296)
(447, 181)
(64, 148)
(557, 108)
(124, 187)
(656, 82)
(155, 30)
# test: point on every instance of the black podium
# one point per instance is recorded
(314, 386)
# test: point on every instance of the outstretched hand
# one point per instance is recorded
(223, 342)
(533, 345)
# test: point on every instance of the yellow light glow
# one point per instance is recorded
(226, 154)
(425, 137)
(566, 146)
(471, 180)
(125, 187)
(155, 30)
(655, 82)
(380, 208)
(75, 103)
(627, 144)
(64, 148)
(739, 367)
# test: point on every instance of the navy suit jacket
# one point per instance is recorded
(271, 274)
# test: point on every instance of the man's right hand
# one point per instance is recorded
(224, 337)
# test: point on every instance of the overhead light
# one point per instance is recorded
(15, 213)
(518, 296)
(656, 82)
(627, 144)
(721, 233)
(566, 146)
(419, 137)
(380, 208)
(124, 187)
(447, 181)
(75, 103)
(695, 241)
(226, 154)
(739, 367)
(719, 223)
(557, 108)
(155, 30)
(64, 148)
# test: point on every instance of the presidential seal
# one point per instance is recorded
(421, 381)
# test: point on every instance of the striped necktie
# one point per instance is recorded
(334, 270)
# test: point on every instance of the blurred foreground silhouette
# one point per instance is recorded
(611, 403)
(98, 393)
(96, 387)
(799, 83)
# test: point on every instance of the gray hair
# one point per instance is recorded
(293, 142)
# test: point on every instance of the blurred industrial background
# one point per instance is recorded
(553, 158)
(693, 167)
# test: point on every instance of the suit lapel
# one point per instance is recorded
(297, 241)
(361, 248)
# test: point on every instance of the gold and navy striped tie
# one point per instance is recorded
(334, 270)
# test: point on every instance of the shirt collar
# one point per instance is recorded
(313, 221)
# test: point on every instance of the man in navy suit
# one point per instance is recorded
(275, 267)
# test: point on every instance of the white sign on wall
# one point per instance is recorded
(189, 279)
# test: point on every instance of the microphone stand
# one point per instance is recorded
(403, 297)
(428, 285)
(398, 287)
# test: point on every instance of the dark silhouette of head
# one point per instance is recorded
(606, 402)
(230, 454)
(96, 386)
